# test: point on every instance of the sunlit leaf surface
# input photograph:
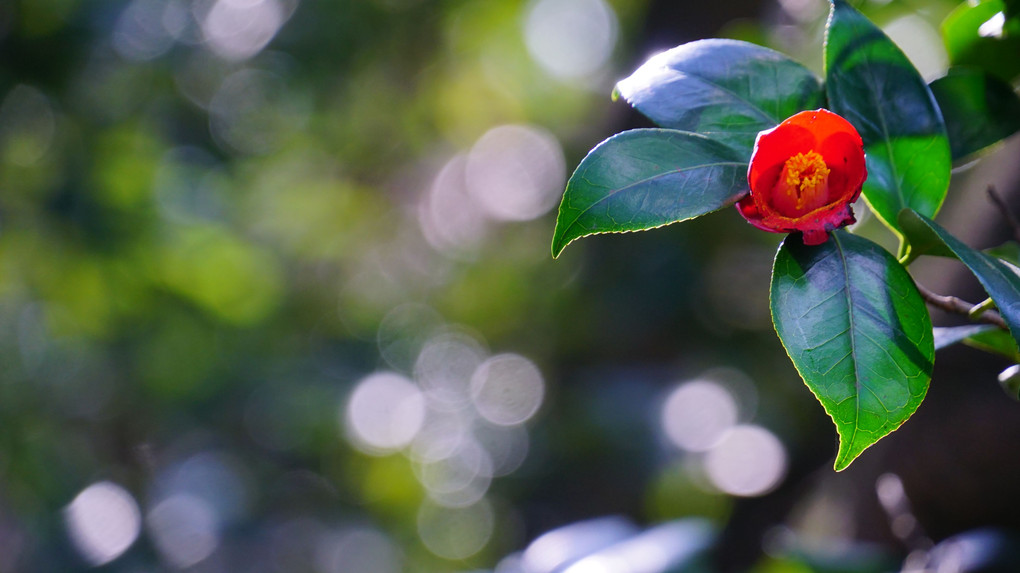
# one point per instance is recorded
(726, 89)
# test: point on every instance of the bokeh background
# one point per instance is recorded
(276, 296)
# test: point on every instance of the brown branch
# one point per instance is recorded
(959, 306)
(1011, 219)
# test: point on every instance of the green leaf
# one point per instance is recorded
(979, 109)
(647, 178)
(1008, 251)
(1000, 281)
(984, 35)
(946, 336)
(858, 332)
(986, 337)
(996, 341)
(875, 87)
(726, 89)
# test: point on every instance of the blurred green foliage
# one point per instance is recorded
(213, 217)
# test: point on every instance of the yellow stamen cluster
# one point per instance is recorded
(806, 175)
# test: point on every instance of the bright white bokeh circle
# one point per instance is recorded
(515, 172)
(384, 413)
(747, 461)
(102, 522)
(697, 413)
(570, 38)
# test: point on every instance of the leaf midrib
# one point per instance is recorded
(853, 342)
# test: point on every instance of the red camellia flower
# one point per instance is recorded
(804, 174)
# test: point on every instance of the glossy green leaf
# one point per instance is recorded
(979, 109)
(1000, 281)
(984, 35)
(726, 89)
(858, 332)
(873, 85)
(647, 178)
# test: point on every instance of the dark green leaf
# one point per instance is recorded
(979, 109)
(858, 332)
(646, 178)
(981, 35)
(1001, 282)
(874, 86)
(726, 89)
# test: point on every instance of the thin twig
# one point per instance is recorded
(1011, 219)
(959, 306)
